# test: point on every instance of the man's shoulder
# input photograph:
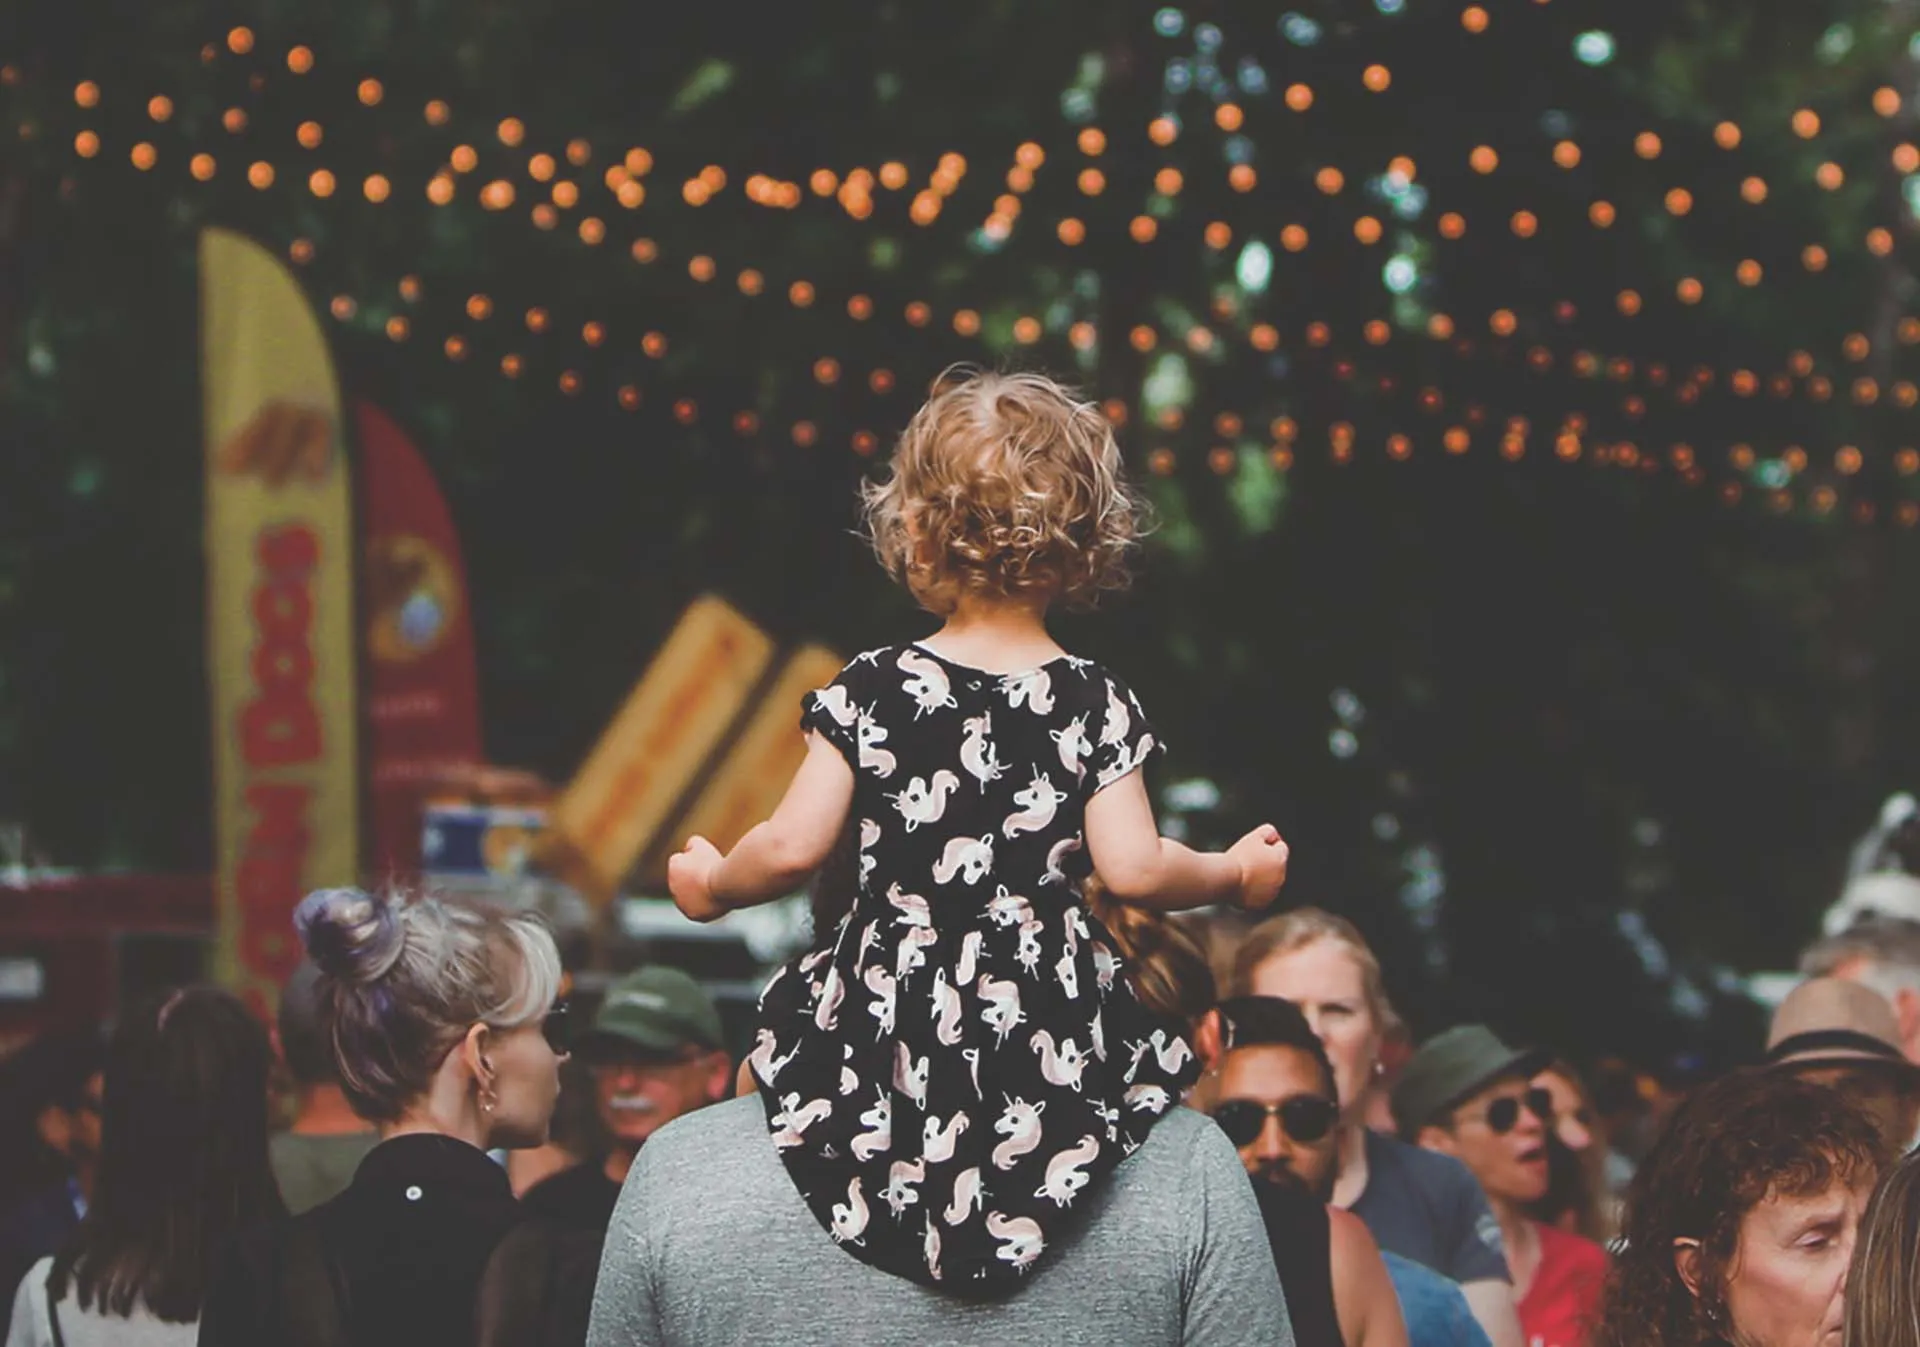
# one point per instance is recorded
(717, 1141)
(1431, 1170)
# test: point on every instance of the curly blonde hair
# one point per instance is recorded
(1005, 485)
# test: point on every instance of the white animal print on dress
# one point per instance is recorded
(946, 1010)
(909, 1076)
(1066, 1174)
(1148, 1099)
(849, 1082)
(1068, 972)
(1074, 929)
(1119, 718)
(794, 1118)
(1008, 909)
(881, 983)
(969, 1195)
(1173, 1053)
(972, 1056)
(1097, 1031)
(968, 858)
(1124, 764)
(878, 1137)
(930, 1248)
(977, 753)
(913, 950)
(869, 837)
(874, 758)
(922, 803)
(1056, 857)
(1039, 802)
(765, 1065)
(939, 1141)
(1106, 966)
(837, 702)
(1021, 1244)
(971, 944)
(827, 1014)
(1020, 1125)
(1034, 688)
(912, 908)
(850, 1217)
(1075, 747)
(1028, 954)
(868, 939)
(902, 1189)
(926, 683)
(1002, 1013)
(1064, 1066)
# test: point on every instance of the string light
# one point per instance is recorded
(497, 195)
(1163, 130)
(300, 60)
(235, 120)
(86, 144)
(1229, 117)
(309, 134)
(1830, 176)
(301, 251)
(1566, 154)
(1376, 78)
(438, 113)
(160, 107)
(1727, 136)
(1679, 201)
(1753, 190)
(511, 132)
(1294, 238)
(1806, 123)
(377, 188)
(202, 167)
(579, 152)
(397, 328)
(1299, 97)
(1886, 102)
(321, 183)
(371, 92)
(1483, 159)
(464, 159)
(343, 308)
(1525, 224)
(1330, 180)
(1647, 145)
(240, 41)
(800, 294)
(440, 189)
(1474, 19)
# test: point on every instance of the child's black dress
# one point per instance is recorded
(960, 1059)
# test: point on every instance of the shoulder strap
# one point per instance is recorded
(53, 1317)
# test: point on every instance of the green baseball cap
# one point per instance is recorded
(655, 1008)
(1453, 1067)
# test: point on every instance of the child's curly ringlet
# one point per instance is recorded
(1005, 485)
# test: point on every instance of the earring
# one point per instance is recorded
(488, 1099)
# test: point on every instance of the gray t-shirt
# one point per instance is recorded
(312, 1169)
(1429, 1208)
(711, 1243)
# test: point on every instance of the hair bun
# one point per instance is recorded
(350, 934)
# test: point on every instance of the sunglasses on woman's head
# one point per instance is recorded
(1503, 1114)
(1306, 1118)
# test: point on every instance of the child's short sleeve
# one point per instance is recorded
(1125, 740)
(833, 712)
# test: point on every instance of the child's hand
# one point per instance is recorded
(1262, 857)
(690, 879)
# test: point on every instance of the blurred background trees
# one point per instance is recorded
(1521, 388)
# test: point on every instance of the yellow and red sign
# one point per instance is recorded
(280, 632)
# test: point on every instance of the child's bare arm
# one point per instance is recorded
(776, 856)
(1139, 866)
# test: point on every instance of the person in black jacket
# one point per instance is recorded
(439, 1016)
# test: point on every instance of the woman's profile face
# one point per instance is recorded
(1787, 1282)
(1325, 981)
(526, 1086)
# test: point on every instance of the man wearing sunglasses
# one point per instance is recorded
(1468, 1095)
(1272, 1092)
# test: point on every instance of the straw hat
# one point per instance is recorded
(1831, 1022)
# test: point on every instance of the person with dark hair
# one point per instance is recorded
(1741, 1221)
(55, 1083)
(183, 1168)
(1468, 1095)
(439, 1015)
(1272, 1091)
(314, 1159)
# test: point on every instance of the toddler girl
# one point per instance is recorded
(951, 1068)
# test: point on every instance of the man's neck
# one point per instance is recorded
(1521, 1235)
(619, 1160)
(1347, 1189)
(324, 1112)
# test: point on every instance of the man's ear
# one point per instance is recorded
(1207, 1040)
(1438, 1139)
(1686, 1262)
(720, 1076)
(54, 1126)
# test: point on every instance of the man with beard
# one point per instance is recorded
(1272, 1092)
(1468, 1095)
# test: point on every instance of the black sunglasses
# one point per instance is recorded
(557, 1027)
(1306, 1118)
(1503, 1115)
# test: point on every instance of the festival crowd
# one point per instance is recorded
(1008, 1093)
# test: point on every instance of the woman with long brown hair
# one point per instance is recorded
(1883, 1303)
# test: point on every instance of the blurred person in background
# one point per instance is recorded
(439, 1015)
(1882, 954)
(1271, 1090)
(182, 1169)
(1417, 1203)
(1741, 1222)
(1844, 1035)
(54, 1089)
(1468, 1095)
(314, 1160)
(1579, 1199)
(655, 1051)
(1883, 1294)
